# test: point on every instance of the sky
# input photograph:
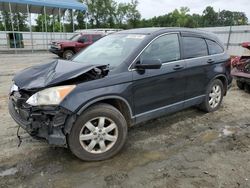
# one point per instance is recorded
(151, 8)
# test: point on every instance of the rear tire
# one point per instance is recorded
(240, 84)
(68, 54)
(98, 134)
(214, 96)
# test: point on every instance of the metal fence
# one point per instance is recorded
(24, 43)
(232, 37)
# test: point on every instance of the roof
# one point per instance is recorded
(36, 6)
(151, 30)
(162, 30)
(145, 31)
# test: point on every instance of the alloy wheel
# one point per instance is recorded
(98, 135)
(215, 96)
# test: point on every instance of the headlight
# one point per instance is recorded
(50, 96)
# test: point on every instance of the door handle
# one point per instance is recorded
(210, 61)
(178, 67)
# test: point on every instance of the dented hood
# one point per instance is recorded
(50, 74)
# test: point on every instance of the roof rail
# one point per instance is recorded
(104, 31)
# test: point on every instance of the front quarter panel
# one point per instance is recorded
(110, 87)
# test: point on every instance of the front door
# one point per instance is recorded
(157, 90)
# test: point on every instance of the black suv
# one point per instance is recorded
(87, 104)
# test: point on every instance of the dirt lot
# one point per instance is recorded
(187, 149)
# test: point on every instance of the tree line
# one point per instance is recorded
(110, 14)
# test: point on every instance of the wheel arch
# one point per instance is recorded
(69, 48)
(118, 102)
(224, 81)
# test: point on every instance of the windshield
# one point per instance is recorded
(75, 37)
(111, 50)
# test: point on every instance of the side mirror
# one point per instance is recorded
(149, 64)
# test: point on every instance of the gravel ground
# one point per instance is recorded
(186, 149)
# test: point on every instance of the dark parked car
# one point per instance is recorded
(121, 80)
(241, 69)
(67, 48)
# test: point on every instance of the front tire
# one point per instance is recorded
(214, 96)
(68, 54)
(98, 134)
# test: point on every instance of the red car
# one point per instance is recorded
(241, 69)
(67, 48)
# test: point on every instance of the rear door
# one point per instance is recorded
(199, 64)
(155, 90)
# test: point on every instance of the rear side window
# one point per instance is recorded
(194, 47)
(166, 48)
(214, 48)
(96, 37)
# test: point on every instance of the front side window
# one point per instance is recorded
(83, 39)
(165, 48)
(194, 47)
(214, 48)
(96, 37)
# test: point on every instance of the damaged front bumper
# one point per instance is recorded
(40, 122)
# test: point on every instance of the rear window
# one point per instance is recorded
(214, 48)
(194, 47)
